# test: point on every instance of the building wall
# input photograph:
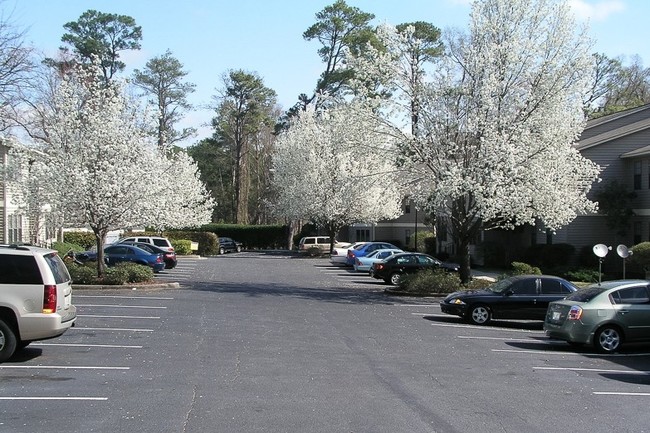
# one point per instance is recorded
(3, 196)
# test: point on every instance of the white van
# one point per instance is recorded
(309, 242)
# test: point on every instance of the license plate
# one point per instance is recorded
(66, 302)
(556, 315)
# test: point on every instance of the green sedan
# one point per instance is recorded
(605, 315)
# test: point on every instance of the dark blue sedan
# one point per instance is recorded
(117, 253)
(365, 249)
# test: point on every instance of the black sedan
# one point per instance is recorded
(391, 269)
(169, 257)
(524, 297)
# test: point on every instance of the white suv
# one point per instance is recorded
(153, 240)
(35, 297)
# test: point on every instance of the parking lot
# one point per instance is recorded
(265, 342)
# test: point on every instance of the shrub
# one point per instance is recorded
(183, 247)
(314, 252)
(83, 239)
(135, 273)
(115, 276)
(82, 274)
(641, 255)
(64, 247)
(430, 282)
(519, 268)
(584, 275)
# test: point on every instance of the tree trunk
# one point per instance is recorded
(465, 263)
(100, 236)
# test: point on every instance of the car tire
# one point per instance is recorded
(8, 341)
(222, 251)
(479, 315)
(395, 278)
(608, 339)
(238, 249)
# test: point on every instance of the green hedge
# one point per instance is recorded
(251, 236)
(83, 239)
(183, 247)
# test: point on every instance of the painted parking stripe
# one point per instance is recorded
(100, 346)
(57, 398)
(539, 352)
(121, 306)
(518, 340)
(633, 394)
(593, 370)
(79, 328)
(60, 367)
(100, 316)
(76, 296)
(486, 328)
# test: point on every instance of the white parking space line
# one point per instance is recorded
(633, 394)
(78, 328)
(539, 352)
(487, 328)
(94, 346)
(121, 306)
(518, 340)
(59, 367)
(593, 370)
(76, 296)
(117, 317)
(57, 398)
(419, 305)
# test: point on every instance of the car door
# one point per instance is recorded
(550, 289)
(518, 301)
(407, 264)
(115, 254)
(632, 306)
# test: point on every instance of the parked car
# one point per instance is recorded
(394, 267)
(158, 241)
(228, 245)
(605, 315)
(363, 264)
(339, 254)
(169, 257)
(524, 297)
(121, 252)
(366, 249)
(35, 297)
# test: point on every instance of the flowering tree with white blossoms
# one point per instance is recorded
(336, 168)
(104, 170)
(499, 119)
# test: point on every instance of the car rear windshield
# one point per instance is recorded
(160, 242)
(19, 269)
(58, 268)
(585, 295)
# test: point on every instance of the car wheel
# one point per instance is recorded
(479, 315)
(7, 341)
(608, 339)
(222, 251)
(238, 249)
(395, 279)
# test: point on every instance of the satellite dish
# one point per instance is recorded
(601, 250)
(623, 251)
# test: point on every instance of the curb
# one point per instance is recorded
(153, 286)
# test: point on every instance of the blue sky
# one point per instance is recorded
(265, 36)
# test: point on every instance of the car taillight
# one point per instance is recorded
(49, 299)
(158, 259)
(575, 313)
(350, 254)
(379, 266)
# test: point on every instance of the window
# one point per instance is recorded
(441, 232)
(637, 175)
(19, 270)
(407, 236)
(631, 295)
(525, 287)
(637, 232)
(363, 235)
(553, 287)
(407, 208)
(15, 228)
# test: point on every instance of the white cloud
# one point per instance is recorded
(598, 11)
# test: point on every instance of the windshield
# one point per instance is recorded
(585, 295)
(500, 286)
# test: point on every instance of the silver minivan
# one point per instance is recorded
(35, 297)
